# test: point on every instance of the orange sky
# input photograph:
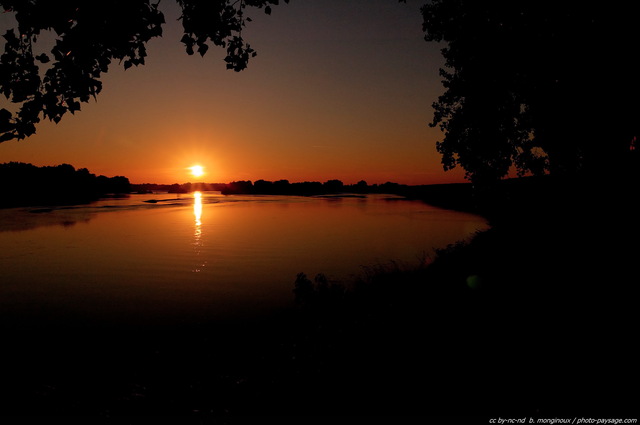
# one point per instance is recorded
(339, 90)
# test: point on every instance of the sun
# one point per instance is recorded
(197, 170)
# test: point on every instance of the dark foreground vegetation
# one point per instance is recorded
(27, 185)
(535, 317)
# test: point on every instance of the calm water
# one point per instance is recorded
(190, 256)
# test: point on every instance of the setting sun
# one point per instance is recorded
(197, 171)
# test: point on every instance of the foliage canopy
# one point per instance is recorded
(542, 86)
(89, 37)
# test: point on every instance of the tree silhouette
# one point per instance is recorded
(24, 184)
(89, 37)
(536, 86)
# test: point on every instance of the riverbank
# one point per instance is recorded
(534, 317)
(531, 318)
(25, 185)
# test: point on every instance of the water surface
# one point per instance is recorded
(187, 257)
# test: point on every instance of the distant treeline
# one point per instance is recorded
(454, 195)
(24, 184)
(175, 187)
(283, 187)
(280, 187)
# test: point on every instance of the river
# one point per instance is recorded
(181, 258)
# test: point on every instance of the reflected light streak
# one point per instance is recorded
(197, 234)
(197, 209)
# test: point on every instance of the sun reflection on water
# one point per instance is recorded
(197, 233)
(197, 209)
